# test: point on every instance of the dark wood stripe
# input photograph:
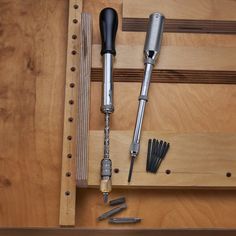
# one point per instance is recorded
(170, 76)
(183, 26)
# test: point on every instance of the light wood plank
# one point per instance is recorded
(173, 39)
(173, 58)
(171, 108)
(84, 99)
(69, 148)
(198, 160)
(182, 9)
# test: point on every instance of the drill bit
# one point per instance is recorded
(124, 220)
(108, 26)
(131, 167)
(117, 201)
(151, 50)
(112, 212)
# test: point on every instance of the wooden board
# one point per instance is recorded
(176, 64)
(69, 148)
(182, 16)
(171, 108)
(84, 100)
(33, 38)
(182, 9)
(173, 58)
(194, 160)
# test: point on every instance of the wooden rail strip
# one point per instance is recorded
(69, 146)
(84, 99)
(170, 76)
(173, 58)
(182, 9)
(183, 26)
(194, 160)
(182, 16)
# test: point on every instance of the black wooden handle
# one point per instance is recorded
(108, 27)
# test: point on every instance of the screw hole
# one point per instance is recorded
(72, 85)
(67, 193)
(168, 172)
(70, 119)
(75, 21)
(69, 137)
(73, 52)
(72, 68)
(69, 155)
(116, 170)
(71, 102)
(68, 174)
(74, 36)
(76, 6)
(228, 174)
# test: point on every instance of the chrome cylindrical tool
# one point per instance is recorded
(151, 51)
(108, 27)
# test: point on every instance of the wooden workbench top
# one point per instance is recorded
(33, 37)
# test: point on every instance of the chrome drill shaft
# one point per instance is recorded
(108, 22)
(107, 108)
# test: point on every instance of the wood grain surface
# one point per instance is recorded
(182, 16)
(171, 108)
(195, 160)
(173, 58)
(32, 78)
(170, 76)
(32, 71)
(182, 9)
(182, 64)
(182, 26)
(84, 100)
(172, 209)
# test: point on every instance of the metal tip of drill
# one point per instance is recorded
(131, 168)
(105, 197)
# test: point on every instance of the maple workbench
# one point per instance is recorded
(33, 41)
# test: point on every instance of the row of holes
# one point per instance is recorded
(228, 174)
(116, 170)
(71, 101)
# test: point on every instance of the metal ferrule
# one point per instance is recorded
(153, 40)
(107, 93)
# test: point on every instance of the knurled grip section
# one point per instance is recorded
(106, 167)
